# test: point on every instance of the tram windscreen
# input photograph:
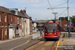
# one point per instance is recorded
(51, 27)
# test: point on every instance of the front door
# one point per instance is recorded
(11, 33)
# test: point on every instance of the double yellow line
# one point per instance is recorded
(21, 44)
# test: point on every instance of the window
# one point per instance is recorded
(11, 18)
(0, 17)
(5, 18)
(5, 31)
(22, 21)
(74, 28)
(65, 25)
(17, 20)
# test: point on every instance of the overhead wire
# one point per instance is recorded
(57, 8)
(61, 4)
(61, 13)
(49, 4)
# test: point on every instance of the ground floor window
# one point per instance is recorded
(5, 31)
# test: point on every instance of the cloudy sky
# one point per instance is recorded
(38, 8)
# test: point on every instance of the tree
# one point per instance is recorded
(73, 18)
(62, 18)
(66, 18)
(42, 22)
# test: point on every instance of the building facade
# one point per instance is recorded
(27, 22)
(34, 26)
(9, 23)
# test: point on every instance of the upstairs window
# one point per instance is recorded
(17, 20)
(5, 18)
(0, 17)
(65, 25)
(22, 21)
(11, 18)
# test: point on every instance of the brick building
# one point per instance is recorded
(8, 24)
(64, 25)
(4, 15)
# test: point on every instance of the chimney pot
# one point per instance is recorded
(24, 11)
(16, 8)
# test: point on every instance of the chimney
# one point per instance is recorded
(24, 11)
(31, 18)
(16, 11)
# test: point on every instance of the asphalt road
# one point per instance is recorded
(9, 45)
(18, 44)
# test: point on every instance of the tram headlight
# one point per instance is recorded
(55, 33)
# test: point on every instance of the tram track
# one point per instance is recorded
(52, 47)
(43, 45)
(46, 47)
(40, 45)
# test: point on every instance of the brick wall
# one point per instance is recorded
(3, 25)
(63, 23)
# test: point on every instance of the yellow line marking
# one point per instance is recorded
(21, 44)
(57, 45)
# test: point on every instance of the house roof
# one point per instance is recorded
(4, 9)
(26, 15)
(21, 15)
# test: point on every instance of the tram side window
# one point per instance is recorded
(59, 28)
(45, 29)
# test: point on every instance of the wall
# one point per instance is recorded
(30, 26)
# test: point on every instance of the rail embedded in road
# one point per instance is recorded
(43, 45)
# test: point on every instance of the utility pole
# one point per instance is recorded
(68, 18)
(55, 15)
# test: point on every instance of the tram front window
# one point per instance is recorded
(51, 27)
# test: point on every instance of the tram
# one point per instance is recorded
(52, 30)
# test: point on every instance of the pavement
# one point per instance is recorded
(67, 43)
(35, 35)
(9, 40)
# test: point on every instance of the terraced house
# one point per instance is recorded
(28, 22)
(9, 23)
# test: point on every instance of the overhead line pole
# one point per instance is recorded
(68, 18)
(55, 15)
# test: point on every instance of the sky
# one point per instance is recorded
(37, 9)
